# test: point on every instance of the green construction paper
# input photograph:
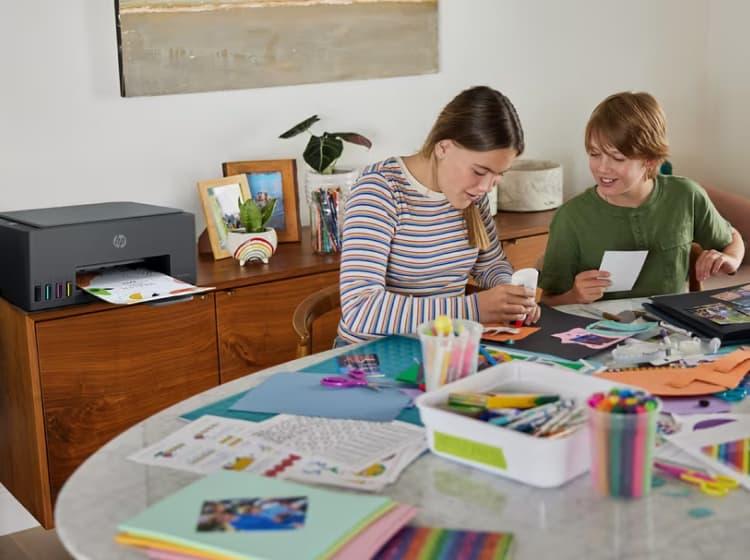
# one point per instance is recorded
(332, 518)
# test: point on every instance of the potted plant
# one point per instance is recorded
(255, 241)
(326, 186)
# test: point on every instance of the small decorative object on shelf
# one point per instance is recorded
(531, 186)
(257, 241)
(326, 186)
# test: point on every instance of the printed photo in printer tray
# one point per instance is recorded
(720, 313)
(252, 514)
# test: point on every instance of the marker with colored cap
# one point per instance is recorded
(515, 400)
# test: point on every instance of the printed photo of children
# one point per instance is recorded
(252, 514)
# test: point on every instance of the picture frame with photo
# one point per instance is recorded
(276, 178)
(220, 201)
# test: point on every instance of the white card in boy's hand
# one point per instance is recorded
(624, 268)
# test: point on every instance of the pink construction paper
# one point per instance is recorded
(366, 543)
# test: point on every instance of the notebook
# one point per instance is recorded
(244, 516)
(677, 308)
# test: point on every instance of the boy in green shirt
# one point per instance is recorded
(633, 208)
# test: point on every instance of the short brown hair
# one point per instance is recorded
(632, 122)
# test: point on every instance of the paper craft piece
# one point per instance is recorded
(372, 478)
(624, 268)
(734, 294)
(694, 405)
(542, 341)
(211, 444)
(303, 394)
(368, 363)
(350, 443)
(126, 286)
(430, 543)
(522, 332)
(720, 313)
(734, 453)
(725, 448)
(588, 339)
(332, 519)
(704, 379)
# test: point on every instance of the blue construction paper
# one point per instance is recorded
(303, 394)
(222, 408)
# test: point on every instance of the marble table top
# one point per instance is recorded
(566, 523)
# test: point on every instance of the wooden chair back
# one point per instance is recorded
(309, 309)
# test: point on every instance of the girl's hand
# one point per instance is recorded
(505, 304)
(534, 316)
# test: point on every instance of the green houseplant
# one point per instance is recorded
(257, 241)
(253, 216)
(326, 186)
(322, 152)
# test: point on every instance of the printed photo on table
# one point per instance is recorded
(252, 514)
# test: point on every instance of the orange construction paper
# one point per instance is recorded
(522, 333)
(725, 373)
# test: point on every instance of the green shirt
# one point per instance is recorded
(676, 213)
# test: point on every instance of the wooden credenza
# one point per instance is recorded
(73, 378)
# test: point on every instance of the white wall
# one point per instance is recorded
(67, 137)
(726, 130)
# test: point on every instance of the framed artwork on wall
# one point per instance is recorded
(170, 46)
(220, 200)
(275, 178)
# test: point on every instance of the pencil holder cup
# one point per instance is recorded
(450, 349)
(622, 431)
(326, 197)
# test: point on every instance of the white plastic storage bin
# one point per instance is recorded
(537, 461)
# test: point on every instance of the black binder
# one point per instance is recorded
(674, 309)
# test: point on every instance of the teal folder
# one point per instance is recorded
(395, 353)
(331, 519)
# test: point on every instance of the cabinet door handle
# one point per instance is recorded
(164, 303)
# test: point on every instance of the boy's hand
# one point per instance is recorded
(589, 285)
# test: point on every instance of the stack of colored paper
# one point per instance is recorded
(231, 515)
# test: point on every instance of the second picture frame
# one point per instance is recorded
(274, 178)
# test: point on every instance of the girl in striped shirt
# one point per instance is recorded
(416, 228)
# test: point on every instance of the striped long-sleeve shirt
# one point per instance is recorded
(406, 257)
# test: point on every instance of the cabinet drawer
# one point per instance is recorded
(524, 252)
(103, 372)
(255, 323)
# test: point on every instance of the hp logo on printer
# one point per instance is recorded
(120, 241)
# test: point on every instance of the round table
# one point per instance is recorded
(566, 523)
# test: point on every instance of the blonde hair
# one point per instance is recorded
(633, 123)
(479, 119)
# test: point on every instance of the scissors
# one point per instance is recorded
(711, 485)
(354, 378)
